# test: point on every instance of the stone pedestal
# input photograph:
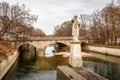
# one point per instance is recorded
(75, 59)
(75, 39)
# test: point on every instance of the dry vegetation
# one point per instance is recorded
(16, 20)
(5, 50)
(102, 26)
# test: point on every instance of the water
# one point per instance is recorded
(41, 69)
(108, 70)
(45, 68)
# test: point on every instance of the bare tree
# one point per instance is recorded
(64, 29)
(13, 16)
(105, 24)
(111, 16)
(84, 25)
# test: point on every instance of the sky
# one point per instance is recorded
(54, 12)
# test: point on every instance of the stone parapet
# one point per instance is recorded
(104, 50)
(80, 73)
(6, 64)
(75, 59)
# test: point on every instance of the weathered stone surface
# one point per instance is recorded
(88, 75)
(6, 64)
(67, 73)
(70, 73)
(75, 59)
(104, 50)
(75, 29)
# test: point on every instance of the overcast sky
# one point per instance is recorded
(54, 12)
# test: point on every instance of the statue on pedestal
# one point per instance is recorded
(75, 59)
(75, 29)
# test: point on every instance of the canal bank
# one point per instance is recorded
(7, 63)
(104, 50)
(76, 73)
(67, 54)
(42, 67)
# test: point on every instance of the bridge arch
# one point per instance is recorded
(49, 43)
(23, 43)
(54, 43)
(27, 51)
(41, 45)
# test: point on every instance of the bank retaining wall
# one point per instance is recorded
(78, 73)
(6, 64)
(104, 50)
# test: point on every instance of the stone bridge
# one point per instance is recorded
(41, 43)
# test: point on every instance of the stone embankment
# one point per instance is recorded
(78, 73)
(6, 64)
(101, 50)
(105, 50)
(67, 54)
(8, 56)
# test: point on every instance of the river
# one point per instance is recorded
(45, 68)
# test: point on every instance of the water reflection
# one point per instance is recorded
(109, 70)
(44, 68)
(40, 69)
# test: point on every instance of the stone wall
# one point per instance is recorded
(104, 50)
(76, 73)
(6, 64)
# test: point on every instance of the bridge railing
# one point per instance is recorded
(51, 38)
(19, 39)
(40, 38)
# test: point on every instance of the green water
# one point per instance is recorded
(39, 69)
(109, 70)
(45, 68)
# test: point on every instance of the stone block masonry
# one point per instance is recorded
(75, 59)
(6, 64)
(104, 50)
(80, 73)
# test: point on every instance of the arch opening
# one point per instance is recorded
(84, 46)
(61, 47)
(56, 48)
(27, 52)
(49, 50)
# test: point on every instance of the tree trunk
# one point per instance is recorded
(115, 40)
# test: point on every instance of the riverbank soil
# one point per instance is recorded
(5, 50)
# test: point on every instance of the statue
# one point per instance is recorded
(75, 29)
(75, 59)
